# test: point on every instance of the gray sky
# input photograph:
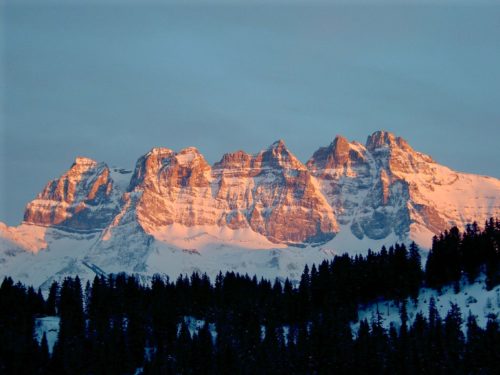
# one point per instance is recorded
(110, 82)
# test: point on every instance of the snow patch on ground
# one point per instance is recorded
(50, 326)
(346, 242)
(171, 250)
(200, 236)
(472, 298)
(25, 236)
(195, 325)
(62, 257)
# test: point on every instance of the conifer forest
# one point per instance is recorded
(117, 324)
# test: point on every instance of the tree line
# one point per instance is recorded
(117, 325)
(455, 254)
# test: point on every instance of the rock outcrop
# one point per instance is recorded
(374, 190)
(275, 194)
(83, 198)
(272, 193)
(177, 214)
(386, 187)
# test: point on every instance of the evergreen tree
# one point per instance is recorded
(120, 325)
(44, 353)
(53, 299)
(69, 349)
(454, 339)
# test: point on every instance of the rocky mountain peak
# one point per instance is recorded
(383, 139)
(147, 166)
(338, 150)
(279, 156)
(340, 153)
(340, 143)
(375, 191)
(80, 199)
(84, 161)
(82, 165)
(237, 160)
(190, 156)
(162, 167)
(396, 154)
(278, 145)
(159, 151)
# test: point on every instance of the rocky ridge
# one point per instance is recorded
(374, 189)
(348, 196)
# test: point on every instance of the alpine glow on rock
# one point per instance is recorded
(266, 214)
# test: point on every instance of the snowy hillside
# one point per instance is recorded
(472, 299)
(266, 214)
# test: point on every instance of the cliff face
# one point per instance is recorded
(374, 190)
(275, 194)
(385, 186)
(177, 214)
(271, 192)
(173, 188)
(83, 198)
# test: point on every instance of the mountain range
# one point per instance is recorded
(266, 213)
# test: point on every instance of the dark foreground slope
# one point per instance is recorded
(240, 325)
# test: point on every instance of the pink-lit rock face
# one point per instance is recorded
(397, 153)
(79, 199)
(339, 154)
(271, 192)
(385, 187)
(374, 190)
(275, 194)
(174, 188)
(176, 214)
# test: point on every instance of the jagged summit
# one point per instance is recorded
(348, 196)
(189, 155)
(279, 156)
(160, 151)
(83, 198)
(234, 160)
(278, 146)
(189, 150)
(364, 186)
(339, 142)
(276, 156)
(380, 138)
(387, 187)
(84, 161)
(340, 153)
(277, 150)
(384, 139)
(270, 193)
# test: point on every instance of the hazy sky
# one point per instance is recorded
(110, 82)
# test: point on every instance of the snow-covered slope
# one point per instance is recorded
(48, 325)
(82, 199)
(266, 214)
(472, 299)
(385, 187)
(271, 193)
